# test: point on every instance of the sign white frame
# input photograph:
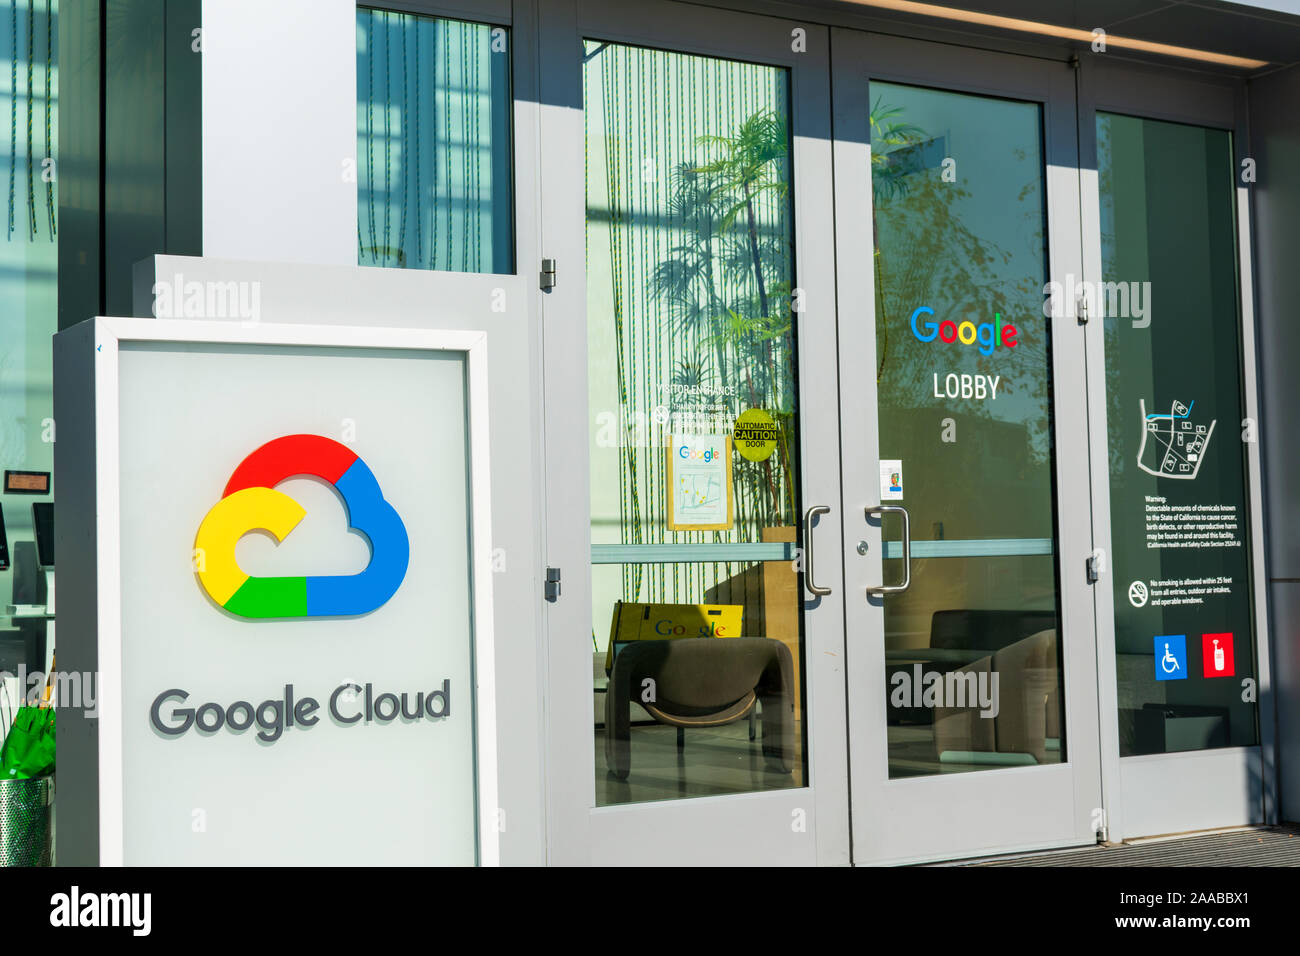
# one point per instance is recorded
(107, 336)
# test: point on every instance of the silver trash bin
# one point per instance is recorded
(25, 821)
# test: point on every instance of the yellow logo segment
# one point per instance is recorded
(231, 518)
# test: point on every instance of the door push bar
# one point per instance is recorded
(881, 510)
(808, 517)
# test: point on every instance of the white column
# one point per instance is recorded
(279, 130)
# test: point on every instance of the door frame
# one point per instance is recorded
(805, 825)
(978, 812)
(1200, 789)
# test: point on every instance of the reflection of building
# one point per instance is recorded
(998, 505)
(999, 452)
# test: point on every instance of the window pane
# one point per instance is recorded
(29, 37)
(1184, 631)
(689, 266)
(972, 647)
(433, 144)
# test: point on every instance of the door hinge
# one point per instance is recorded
(547, 278)
(1081, 309)
(1094, 568)
(552, 584)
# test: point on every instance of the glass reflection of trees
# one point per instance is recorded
(927, 252)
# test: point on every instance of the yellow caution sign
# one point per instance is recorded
(756, 434)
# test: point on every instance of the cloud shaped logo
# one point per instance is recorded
(251, 503)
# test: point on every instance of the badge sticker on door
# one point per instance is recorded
(891, 479)
(1216, 655)
(755, 434)
(1171, 657)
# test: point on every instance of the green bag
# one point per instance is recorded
(28, 751)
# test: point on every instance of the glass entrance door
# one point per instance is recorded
(696, 642)
(1172, 362)
(971, 637)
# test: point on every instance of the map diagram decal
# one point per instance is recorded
(1173, 446)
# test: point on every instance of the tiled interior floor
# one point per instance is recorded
(714, 761)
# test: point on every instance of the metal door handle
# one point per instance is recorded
(907, 549)
(811, 513)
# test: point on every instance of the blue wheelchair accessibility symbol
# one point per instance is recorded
(1171, 657)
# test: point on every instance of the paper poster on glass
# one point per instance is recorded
(699, 483)
(891, 479)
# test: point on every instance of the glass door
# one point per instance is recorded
(696, 636)
(1171, 359)
(971, 654)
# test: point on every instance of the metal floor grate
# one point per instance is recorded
(1255, 846)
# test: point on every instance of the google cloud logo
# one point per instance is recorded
(251, 503)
